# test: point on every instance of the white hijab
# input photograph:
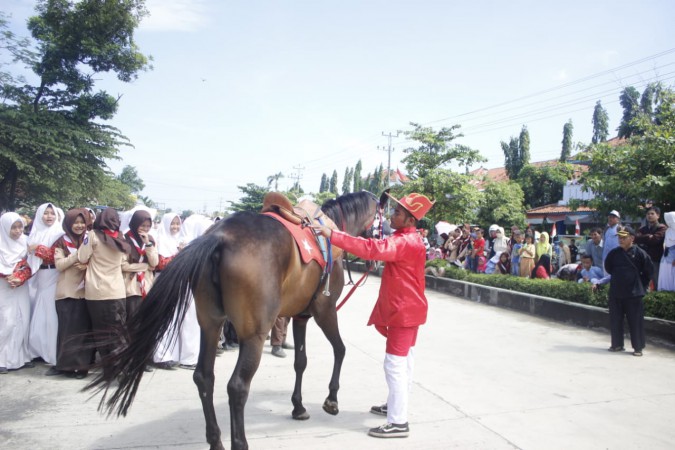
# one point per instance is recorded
(669, 217)
(194, 226)
(167, 243)
(125, 216)
(11, 251)
(41, 234)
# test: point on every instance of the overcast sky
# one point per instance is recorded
(244, 90)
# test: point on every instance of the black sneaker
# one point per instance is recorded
(390, 430)
(379, 410)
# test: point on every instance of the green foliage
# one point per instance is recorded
(457, 199)
(129, 177)
(51, 148)
(543, 185)
(568, 131)
(323, 187)
(657, 304)
(630, 102)
(274, 179)
(600, 124)
(252, 200)
(639, 172)
(516, 153)
(323, 197)
(332, 187)
(358, 182)
(347, 181)
(502, 203)
(435, 151)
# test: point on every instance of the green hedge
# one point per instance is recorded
(660, 304)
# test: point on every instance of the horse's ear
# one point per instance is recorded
(384, 197)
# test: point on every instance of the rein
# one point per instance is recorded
(363, 278)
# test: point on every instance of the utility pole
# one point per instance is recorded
(297, 176)
(389, 137)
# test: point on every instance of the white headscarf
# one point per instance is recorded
(194, 226)
(167, 243)
(669, 217)
(11, 251)
(41, 234)
(125, 216)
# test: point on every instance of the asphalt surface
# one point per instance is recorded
(485, 378)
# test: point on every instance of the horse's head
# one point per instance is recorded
(353, 213)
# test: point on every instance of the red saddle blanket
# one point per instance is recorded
(305, 240)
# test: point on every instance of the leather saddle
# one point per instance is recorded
(278, 203)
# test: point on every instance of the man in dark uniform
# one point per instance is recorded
(630, 269)
(650, 239)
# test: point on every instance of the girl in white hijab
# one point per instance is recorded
(14, 300)
(44, 322)
(185, 350)
(667, 269)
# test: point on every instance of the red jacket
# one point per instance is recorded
(401, 302)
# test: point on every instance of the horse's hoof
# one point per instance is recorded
(331, 407)
(301, 415)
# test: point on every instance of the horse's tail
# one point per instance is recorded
(165, 306)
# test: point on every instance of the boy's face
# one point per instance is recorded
(399, 219)
(586, 263)
(519, 238)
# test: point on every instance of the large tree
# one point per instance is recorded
(274, 179)
(436, 150)
(516, 153)
(358, 181)
(600, 124)
(630, 102)
(543, 185)
(130, 178)
(568, 134)
(51, 131)
(347, 181)
(502, 203)
(252, 200)
(323, 187)
(333, 185)
(639, 172)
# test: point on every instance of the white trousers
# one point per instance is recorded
(398, 370)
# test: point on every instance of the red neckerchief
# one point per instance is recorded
(72, 248)
(140, 276)
(112, 234)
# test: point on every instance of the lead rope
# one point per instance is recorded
(361, 281)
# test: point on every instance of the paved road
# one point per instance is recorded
(486, 378)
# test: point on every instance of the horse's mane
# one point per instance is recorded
(350, 206)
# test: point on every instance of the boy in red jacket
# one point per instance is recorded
(401, 305)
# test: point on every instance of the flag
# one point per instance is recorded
(553, 232)
(577, 228)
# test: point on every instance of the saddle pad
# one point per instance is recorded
(305, 240)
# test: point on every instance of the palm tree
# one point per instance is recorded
(274, 179)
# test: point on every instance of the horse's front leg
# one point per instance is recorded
(204, 379)
(329, 325)
(300, 364)
(250, 351)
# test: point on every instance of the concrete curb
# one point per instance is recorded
(659, 331)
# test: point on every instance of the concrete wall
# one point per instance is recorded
(657, 330)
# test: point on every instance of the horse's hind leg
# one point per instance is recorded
(328, 323)
(300, 364)
(204, 379)
(250, 351)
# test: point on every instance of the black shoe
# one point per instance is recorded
(148, 368)
(80, 374)
(28, 365)
(278, 351)
(390, 430)
(616, 349)
(188, 366)
(165, 365)
(379, 410)
(3, 370)
(53, 371)
(287, 346)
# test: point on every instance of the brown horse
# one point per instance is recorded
(246, 268)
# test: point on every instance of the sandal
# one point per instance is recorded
(616, 349)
